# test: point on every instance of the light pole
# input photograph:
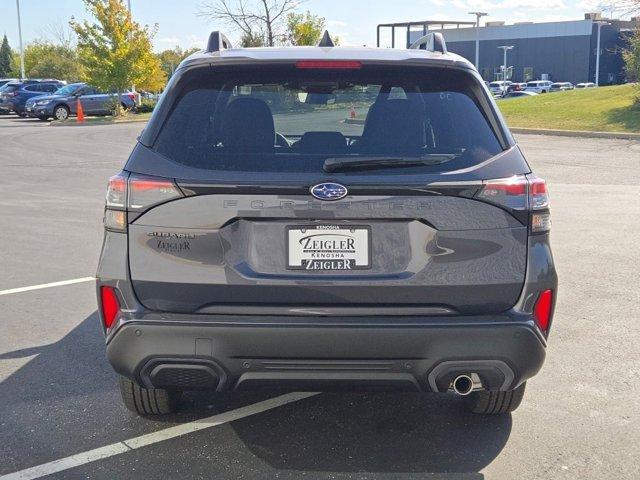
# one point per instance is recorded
(505, 48)
(22, 75)
(133, 87)
(478, 16)
(600, 25)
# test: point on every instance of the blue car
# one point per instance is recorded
(14, 95)
(63, 103)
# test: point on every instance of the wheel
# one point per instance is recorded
(61, 112)
(148, 401)
(495, 403)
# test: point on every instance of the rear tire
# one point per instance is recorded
(495, 403)
(148, 401)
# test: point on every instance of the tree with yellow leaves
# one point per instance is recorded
(115, 51)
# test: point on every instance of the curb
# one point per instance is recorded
(89, 123)
(576, 133)
(354, 121)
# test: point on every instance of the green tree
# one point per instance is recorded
(171, 58)
(252, 39)
(46, 60)
(304, 28)
(115, 51)
(6, 58)
(631, 56)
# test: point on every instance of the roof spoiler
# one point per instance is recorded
(218, 41)
(433, 42)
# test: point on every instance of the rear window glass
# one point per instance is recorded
(292, 120)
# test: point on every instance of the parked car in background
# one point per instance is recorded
(516, 87)
(4, 81)
(539, 86)
(586, 85)
(499, 87)
(63, 103)
(561, 86)
(16, 94)
(519, 93)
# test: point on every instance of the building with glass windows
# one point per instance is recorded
(558, 51)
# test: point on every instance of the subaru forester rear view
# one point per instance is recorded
(326, 219)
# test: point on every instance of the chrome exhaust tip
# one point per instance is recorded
(466, 384)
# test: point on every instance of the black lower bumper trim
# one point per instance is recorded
(329, 357)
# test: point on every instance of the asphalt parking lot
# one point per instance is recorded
(58, 397)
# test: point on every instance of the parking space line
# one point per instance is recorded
(47, 285)
(152, 438)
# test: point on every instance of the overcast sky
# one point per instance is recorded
(353, 20)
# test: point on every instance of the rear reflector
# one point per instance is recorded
(542, 310)
(110, 306)
(331, 64)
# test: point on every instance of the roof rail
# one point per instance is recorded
(326, 40)
(433, 42)
(217, 42)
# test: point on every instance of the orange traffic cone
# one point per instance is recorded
(79, 112)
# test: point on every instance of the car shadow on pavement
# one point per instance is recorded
(65, 400)
(382, 433)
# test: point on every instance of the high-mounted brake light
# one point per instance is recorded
(110, 306)
(542, 309)
(329, 64)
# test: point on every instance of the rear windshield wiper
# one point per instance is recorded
(371, 163)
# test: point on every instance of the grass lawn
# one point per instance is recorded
(602, 109)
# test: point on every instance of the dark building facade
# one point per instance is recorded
(558, 51)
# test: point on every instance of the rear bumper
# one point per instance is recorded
(405, 353)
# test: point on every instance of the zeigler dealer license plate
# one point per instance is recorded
(328, 247)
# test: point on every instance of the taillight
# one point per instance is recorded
(539, 205)
(542, 309)
(144, 192)
(520, 193)
(134, 193)
(110, 306)
(506, 192)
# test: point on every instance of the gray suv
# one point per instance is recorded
(63, 103)
(326, 219)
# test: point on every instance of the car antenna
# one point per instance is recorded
(326, 40)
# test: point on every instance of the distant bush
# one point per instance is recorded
(146, 106)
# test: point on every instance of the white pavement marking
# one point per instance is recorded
(151, 438)
(46, 285)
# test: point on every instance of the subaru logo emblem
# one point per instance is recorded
(329, 191)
